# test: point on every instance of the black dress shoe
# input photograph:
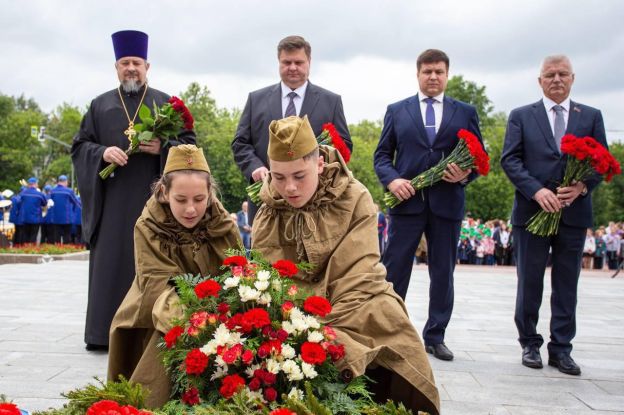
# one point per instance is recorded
(565, 363)
(531, 357)
(91, 347)
(440, 351)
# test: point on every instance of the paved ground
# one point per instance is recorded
(42, 310)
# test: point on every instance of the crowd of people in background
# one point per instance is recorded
(491, 243)
(49, 215)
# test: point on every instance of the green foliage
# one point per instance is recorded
(608, 198)
(470, 92)
(215, 128)
(122, 392)
(365, 137)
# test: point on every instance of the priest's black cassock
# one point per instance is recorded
(112, 206)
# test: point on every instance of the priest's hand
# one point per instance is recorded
(115, 155)
(454, 174)
(259, 174)
(402, 189)
(151, 147)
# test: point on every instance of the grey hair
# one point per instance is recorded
(555, 59)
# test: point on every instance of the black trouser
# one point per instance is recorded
(47, 233)
(18, 235)
(62, 234)
(598, 263)
(567, 251)
(612, 259)
(30, 231)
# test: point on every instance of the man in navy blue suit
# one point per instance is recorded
(533, 161)
(417, 133)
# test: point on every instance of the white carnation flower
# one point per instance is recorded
(288, 327)
(222, 335)
(265, 299)
(209, 348)
(231, 282)
(288, 352)
(220, 362)
(308, 370)
(254, 396)
(248, 293)
(261, 285)
(276, 284)
(296, 314)
(251, 369)
(219, 373)
(315, 337)
(296, 394)
(273, 366)
(295, 375)
(264, 275)
(312, 322)
(299, 324)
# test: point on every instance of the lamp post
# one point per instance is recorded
(43, 136)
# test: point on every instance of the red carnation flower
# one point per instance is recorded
(7, 408)
(317, 305)
(270, 394)
(285, 268)
(247, 356)
(480, 157)
(172, 336)
(336, 351)
(236, 260)
(223, 308)
(231, 384)
(196, 362)
(313, 353)
(107, 407)
(256, 318)
(191, 397)
(337, 142)
(282, 411)
(207, 288)
(255, 384)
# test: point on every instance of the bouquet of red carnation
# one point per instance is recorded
(468, 154)
(250, 330)
(329, 136)
(167, 121)
(106, 407)
(585, 157)
(8, 408)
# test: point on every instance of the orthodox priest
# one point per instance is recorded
(111, 206)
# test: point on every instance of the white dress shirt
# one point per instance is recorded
(549, 104)
(437, 108)
(298, 100)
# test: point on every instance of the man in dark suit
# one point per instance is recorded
(294, 95)
(533, 161)
(417, 133)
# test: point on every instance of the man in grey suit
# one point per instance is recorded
(533, 161)
(294, 95)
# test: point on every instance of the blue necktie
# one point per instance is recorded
(559, 125)
(430, 127)
(290, 109)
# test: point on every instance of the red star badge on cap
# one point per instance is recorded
(189, 161)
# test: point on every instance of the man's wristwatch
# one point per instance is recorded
(584, 191)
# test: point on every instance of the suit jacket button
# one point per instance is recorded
(346, 375)
(315, 279)
(431, 150)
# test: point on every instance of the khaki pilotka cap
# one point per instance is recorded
(186, 157)
(291, 138)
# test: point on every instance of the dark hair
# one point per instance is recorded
(432, 56)
(165, 183)
(290, 43)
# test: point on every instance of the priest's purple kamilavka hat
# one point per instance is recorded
(130, 43)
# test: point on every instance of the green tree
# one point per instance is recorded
(215, 128)
(608, 198)
(365, 136)
(63, 124)
(20, 154)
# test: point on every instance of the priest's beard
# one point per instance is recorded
(131, 85)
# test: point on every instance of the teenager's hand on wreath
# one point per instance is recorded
(454, 174)
(151, 147)
(115, 155)
(402, 189)
(547, 200)
(259, 174)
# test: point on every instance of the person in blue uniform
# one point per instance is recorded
(65, 202)
(16, 203)
(76, 225)
(47, 228)
(30, 211)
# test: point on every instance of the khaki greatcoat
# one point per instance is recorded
(336, 231)
(163, 248)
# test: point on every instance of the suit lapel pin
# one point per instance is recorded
(577, 109)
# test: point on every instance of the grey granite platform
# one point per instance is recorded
(42, 312)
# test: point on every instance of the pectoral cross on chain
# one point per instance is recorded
(130, 132)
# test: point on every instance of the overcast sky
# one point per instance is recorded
(61, 51)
